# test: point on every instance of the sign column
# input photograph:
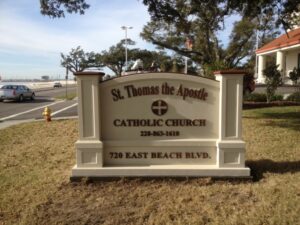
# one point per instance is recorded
(89, 148)
(230, 147)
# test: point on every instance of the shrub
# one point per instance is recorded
(295, 75)
(277, 98)
(295, 97)
(261, 97)
(273, 80)
(255, 97)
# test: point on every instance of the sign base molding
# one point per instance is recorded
(161, 171)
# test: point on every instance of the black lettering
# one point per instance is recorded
(117, 123)
(156, 90)
(199, 154)
(189, 123)
(180, 91)
(128, 88)
(205, 155)
(116, 93)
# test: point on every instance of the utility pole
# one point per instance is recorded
(189, 46)
(256, 46)
(67, 73)
(126, 29)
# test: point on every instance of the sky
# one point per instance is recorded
(30, 44)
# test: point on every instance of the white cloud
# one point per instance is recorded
(27, 33)
(23, 34)
(95, 31)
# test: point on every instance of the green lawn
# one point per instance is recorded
(36, 160)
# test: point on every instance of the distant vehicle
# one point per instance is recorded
(16, 92)
(57, 85)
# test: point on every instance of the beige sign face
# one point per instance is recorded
(159, 107)
(160, 124)
(157, 119)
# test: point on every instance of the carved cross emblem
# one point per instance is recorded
(159, 107)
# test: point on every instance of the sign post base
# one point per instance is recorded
(161, 171)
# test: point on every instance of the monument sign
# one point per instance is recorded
(160, 124)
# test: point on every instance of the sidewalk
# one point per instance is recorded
(9, 123)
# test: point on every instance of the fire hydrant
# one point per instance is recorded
(47, 114)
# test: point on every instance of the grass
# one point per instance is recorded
(36, 160)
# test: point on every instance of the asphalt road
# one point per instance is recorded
(12, 111)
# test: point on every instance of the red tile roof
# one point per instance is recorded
(293, 38)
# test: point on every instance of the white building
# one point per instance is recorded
(286, 50)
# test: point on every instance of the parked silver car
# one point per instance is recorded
(16, 92)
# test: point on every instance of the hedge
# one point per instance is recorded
(261, 97)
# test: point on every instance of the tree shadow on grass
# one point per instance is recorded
(281, 115)
(290, 120)
(290, 124)
(260, 167)
(274, 115)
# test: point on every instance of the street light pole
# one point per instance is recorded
(67, 73)
(256, 46)
(256, 57)
(126, 29)
(189, 46)
(185, 64)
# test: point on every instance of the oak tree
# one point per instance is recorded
(173, 21)
(77, 60)
(114, 58)
(57, 8)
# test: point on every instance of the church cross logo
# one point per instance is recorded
(159, 107)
